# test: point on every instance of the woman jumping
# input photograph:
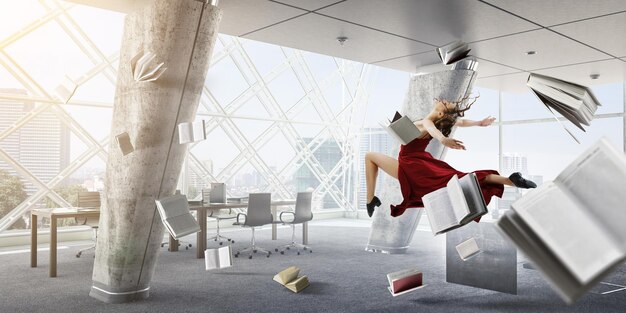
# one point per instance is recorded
(419, 173)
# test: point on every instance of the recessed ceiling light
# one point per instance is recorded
(594, 76)
(531, 52)
(342, 40)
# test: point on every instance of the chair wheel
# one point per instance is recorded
(250, 257)
(276, 249)
(282, 252)
(232, 241)
(229, 240)
(186, 248)
(268, 255)
(168, 249)
(310, 251)
(162, 245)
(287, 248)
(298, 252)
(78, 255)
(236, 255)
(254, 251)
(221, 243)
(189, 245)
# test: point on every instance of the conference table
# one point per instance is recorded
(202, 210)
(54, 214)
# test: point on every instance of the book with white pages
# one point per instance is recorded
(401, 128)
(575, 102)
(455, 205)
(453, 52)
(218, 258)
(175, 215)
(572, 229)
(468, 249)
(405, 281)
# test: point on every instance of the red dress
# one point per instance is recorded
(419, 173)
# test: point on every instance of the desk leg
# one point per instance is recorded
(274, 227)
(53, 246)
(173, 244)
(305, 233)
(33, 240)
(201, 237)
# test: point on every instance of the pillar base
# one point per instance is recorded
(111, 295)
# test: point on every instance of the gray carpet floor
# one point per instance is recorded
(344, 278)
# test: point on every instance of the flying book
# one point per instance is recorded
(144, 68)
(574, 102)
(404, 281)
(402, 128)
(289, 278)
(191, 132)
(218, 258)
(175, 215)
(455, 205)
(468, 249)
(453, 52)
(123, 141)
(572, 229)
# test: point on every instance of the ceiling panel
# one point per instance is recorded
(605, 33)
(510, 82)
(552, 12)
(243, 16)
(436, 22)
(552, 50)
(317, 33)
(410, 63)
(486, 69)
(308, 4)
(610, 71)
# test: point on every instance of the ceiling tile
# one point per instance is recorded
(510, 82)
(244, 16)
(308, 4)
(124, 6)
(486, 69)
(552, 12)
(552, 50)
(317, 33)
(605, 33)
(610, 71)
(410, 63)
(436, 22)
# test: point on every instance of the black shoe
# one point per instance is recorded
(372, 205)
(520, 182)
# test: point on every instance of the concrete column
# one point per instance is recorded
(394, 234)
(182, 34)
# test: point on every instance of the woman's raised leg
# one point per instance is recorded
(373, 161)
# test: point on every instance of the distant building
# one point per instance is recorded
(42, 145)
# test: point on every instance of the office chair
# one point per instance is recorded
(208, 196)
(89, 200)
(301, 214)
(259, 213)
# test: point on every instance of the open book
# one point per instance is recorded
(218, 258)
(174, 211)
(144, 68)
(289, 278)
(572, 229)
(453, 52)
(191, 132)
(455, 205)
(574, 102)
(402, 128)
(404, 281)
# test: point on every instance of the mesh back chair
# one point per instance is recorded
(301, 214)
(259, 213)
(218, 215)
(89, 200)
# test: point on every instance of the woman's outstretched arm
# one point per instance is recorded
(435, 133)
(468, 123)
